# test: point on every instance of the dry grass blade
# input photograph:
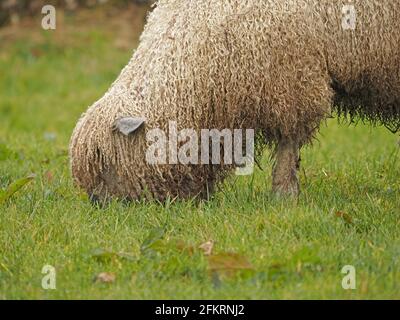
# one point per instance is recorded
(207, 247)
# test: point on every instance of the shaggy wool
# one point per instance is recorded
(277, 66)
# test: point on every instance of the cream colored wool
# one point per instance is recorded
(272, 65)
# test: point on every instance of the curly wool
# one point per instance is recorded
(274, 66)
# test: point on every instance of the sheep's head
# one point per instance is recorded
(120, 150)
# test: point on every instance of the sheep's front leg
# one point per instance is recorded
(284, 177)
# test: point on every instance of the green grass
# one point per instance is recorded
(296, 249)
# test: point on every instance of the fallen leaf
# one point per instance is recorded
(14, 187)
(36, 52)
(207, 247)
(49, 176)
(105, 277)
(183, 247)
(228, 263)
(347, 218)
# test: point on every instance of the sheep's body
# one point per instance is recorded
(274, 66)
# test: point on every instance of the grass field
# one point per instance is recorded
(264, 248)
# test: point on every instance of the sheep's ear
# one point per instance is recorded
(128, 125)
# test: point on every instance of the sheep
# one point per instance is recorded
(278, 67)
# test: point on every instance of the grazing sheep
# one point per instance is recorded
(279, 67)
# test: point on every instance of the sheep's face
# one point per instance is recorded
(109, 180)
(149, 165)
(161, 165)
